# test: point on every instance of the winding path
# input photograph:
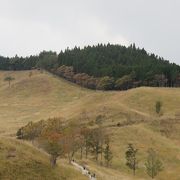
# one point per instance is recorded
(84, 170)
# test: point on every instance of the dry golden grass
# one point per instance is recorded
(31, 99)
(20, 161)
(44, 95)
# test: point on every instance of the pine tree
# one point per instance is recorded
(158, 107)
(132, 162)
(107, 153)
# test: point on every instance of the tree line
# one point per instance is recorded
(65, 140)
(99, 83)
(105, 67)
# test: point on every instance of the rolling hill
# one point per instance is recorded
(130, 118)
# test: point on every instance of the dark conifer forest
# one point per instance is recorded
(104, 67)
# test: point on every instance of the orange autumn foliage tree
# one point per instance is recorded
(52, 143)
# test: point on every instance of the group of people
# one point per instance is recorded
(84, 170)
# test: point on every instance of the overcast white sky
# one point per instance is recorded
(30, 26)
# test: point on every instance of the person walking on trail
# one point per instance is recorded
(84, 170)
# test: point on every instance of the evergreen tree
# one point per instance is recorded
(131, 158)
(158, 107)
(107, 153)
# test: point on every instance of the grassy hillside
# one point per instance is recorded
(44, 95)
(23, 162)
(31, 99)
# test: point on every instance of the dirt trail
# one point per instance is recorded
(84, 170)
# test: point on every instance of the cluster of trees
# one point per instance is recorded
(102, 67)
(117, 61)
(153, 164)
(100, 83)
(82, 79)
(45, 60)
(64, 140)
(18, 63)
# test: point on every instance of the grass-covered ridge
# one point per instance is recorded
(44, 95)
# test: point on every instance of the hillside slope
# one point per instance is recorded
(20, 161)
(32, 99)
(43, 95)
